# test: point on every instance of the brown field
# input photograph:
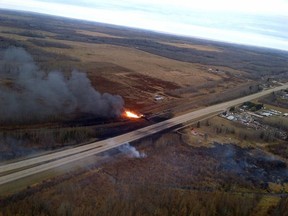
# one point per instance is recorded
(138, 65)
(132, 63)
(96, 34)
(128, 70)
(230, 172)
(193, 46)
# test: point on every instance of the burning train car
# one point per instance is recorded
(132, 115)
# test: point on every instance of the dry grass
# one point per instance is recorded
(197, 137)
(193, 46)
(134, 74)
(36, 180)
(141, 62)
(138, 61)
(269, 106)
(224, 131)
(15, 16)
(265, 204)
(12, 32)
(97, 34)
(175, 179)
(13, 36)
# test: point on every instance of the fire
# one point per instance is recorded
(130, 114)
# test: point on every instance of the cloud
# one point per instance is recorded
(223, 20)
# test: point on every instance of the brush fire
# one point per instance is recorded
(130, 114)
(133, 115)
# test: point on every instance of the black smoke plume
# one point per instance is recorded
(28, 93)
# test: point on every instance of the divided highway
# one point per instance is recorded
(14, 171)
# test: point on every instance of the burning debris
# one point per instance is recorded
(133, 115)
(130, 114)
(29, 94)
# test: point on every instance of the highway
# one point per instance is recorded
(17, 170)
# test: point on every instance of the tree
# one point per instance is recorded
(65, 209)
(206, 137)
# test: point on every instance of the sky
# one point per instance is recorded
(261, 23)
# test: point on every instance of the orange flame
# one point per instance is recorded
(130, 114)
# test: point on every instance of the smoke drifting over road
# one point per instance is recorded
(27, 93)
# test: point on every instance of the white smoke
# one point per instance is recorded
(131, 151)
(28, 93)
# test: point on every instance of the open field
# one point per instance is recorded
(132, 63)
(193, 46)
(136, 63)
(214, 167)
